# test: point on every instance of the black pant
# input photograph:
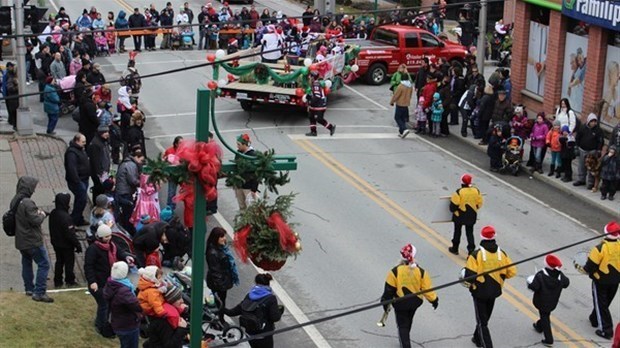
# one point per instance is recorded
(609, 187)
(11, 106)
(97, 188)
(266, 342)
(65, 260)
(603, 295)
(404, 321)
(567, 168)
(443, 125)
(125, 206)
(465, 114)
(481, 131)
(469, 233)
(544, 325)
(454, 114)
(317, 116)
(483, 309)
(137, 42)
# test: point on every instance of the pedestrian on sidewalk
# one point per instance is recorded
(51, 104)
(436, 115)
(603, 266)
(547, 285)
(566, 115)
(538, 138)
(553, 142)
(402, 99)
(567, 154)
(64, 241)
(137, 21)
(77, 173)
(125, 311)
(170, 155)
(317, 105)
(99, 156)
(405, 279)
(485, 289)
(221, 267)
(89, 122)
(127, 183)
(485, 111)
(29, 239)
(589, 139)
(464, 205)
(10, 90)
(610, 173)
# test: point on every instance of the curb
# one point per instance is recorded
(558, 185)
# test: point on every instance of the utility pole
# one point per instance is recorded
(482, 28)
(24, 119)
(320, 5)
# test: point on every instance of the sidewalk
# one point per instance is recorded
(611, 207)
(41, 157)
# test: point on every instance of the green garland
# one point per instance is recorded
(160, 171)
(263, 72)
(261, 168)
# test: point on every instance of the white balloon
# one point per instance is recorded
(222, 83)
(355, 67)
(219, 54)
(304, 99)
(328, 83)
(307, 62)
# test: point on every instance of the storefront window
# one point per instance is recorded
(575, 59)
(537, 51)
(610, 114)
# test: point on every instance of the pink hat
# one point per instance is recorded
(612, 229)
(487, 233)
(408, 252)
(553, 262)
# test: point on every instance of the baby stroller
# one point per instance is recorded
(511, 159)
(187, 39)
(68, 103)
(101, 43)
(175, 40)
(110, 37)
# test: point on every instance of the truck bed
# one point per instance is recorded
(255, 87)
(367, 44)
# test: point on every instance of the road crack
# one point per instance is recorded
(311, 213)
(320, 245)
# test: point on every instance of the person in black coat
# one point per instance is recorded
(485, 112)
(99, 156)
(134, 136)
(89, 122)
(64, 241)
(77, 173)
(95, 77)
(148, 239)
(179, 238)
(125, 310)
(457, 88)
(495, 149)
(547, 285)
(266, 306)
(137, 20)
(221, 268)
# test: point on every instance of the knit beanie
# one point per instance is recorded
(553, 262)
(103, 231)
(119, 270)
(166, 214)
(149, 273)
(173, 295)
(612, 229)
(487, 233)
(101, 201)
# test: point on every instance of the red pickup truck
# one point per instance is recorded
(392, 45)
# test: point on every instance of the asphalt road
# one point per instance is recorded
(362, 195)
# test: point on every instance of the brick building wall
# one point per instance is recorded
(595, 73)
(510, 11)
(521, 36)
(555, 61)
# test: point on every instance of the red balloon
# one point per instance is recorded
(326, 90)
(211, 57)
(328, 36)
(313, 67)
(299, 92)
(212, 85)
(231, 77)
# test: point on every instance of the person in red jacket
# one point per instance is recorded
(427, 92)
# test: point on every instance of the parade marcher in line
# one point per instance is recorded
(77, 173)
(547, 285)
(402, 99)
(250, 186)
(317, 105)
(464, 205)
(64, 241)
(125, 311)
(485, 289)
(603, 266)
(221, 267)
(260, 298)
(98, 261)
(405, 279)
(29, 239)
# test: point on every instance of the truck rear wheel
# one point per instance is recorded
(377, 74)
(246, 105)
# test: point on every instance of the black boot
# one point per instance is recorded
(552, 170)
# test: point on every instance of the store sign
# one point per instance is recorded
(601, 13)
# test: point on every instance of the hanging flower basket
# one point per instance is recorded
(267, 264)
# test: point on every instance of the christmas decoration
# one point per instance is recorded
(211, 57)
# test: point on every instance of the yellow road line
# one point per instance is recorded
(513, 296)
(125, 5)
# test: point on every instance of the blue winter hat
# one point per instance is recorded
(166, 214)
(565, 129)
(436, 96)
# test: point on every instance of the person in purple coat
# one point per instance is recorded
(125, 310)
(538, 141)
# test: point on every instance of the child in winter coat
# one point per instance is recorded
(520, 124)
(553, 142)
(610, 173)
(538, 137)
(567, 154)
(420, 116)
(547, 285)
(147, 202)
(496, 148)
(436, 114)
(171, 330)
(124, 308)
(152, 290)
(64, 241)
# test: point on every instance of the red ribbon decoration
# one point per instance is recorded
(287, 237)
(240, 242)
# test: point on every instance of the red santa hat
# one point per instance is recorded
(553, 262)
(612, 229)
(487, 233)
(232, 41)
(408, 252)
(466, 179)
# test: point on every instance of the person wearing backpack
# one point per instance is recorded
(258, 311)
(29, 239)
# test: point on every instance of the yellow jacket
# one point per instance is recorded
(603, 263)
(408, 279)
(488, 257)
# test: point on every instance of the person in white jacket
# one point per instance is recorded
(566, 115)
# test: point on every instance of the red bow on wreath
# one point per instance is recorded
(288, 240)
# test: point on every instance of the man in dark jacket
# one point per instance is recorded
(29, 239)
(502, 110)
(77, 172)
(148, 240)
(99, 156)
(127, 182)
(166, 18)
(589, 139)
(250, 186)
(464, 205)
(457, 88)
(64, 241)
(94, 76)
(547, 285)
(88, 116)
(421, 76)
(137, 20)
